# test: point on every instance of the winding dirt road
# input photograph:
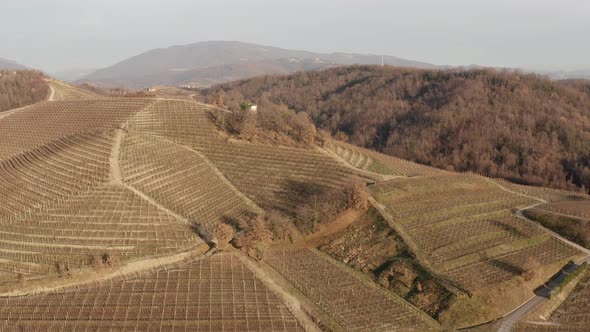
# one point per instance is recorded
(51, 97)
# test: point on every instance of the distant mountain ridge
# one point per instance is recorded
(208, 63)
(9, 64)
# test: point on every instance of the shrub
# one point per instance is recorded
(530, 269)
(111, 260)
(358, 197)
(223, 233)
(63, 270)
(270, 123)
(96, 262)
(22, 280)
(254, 237)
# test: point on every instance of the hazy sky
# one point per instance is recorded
(63, 34)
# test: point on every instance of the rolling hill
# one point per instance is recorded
(148, 213)
(521, 127)
(208, 63)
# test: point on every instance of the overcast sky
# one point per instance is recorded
(63, 34)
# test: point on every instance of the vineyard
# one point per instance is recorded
(542, 193)
(372, 161)
(212, 294)
(47, 122)
(570, 219)
(141, 181)
(64, 167)
(65, 92)
(179, 179)
(571, 315)
(107, 220)
(266, 174)
(463, 228)
(355, 304)
(575, 208)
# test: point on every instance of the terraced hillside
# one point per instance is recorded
(108, 207)
(462, 227)
(64, 92)
(570, 218)
(41, 124)
(180, 179)
(571, 315)
(374, 162)
(541, 193)
(213, 294)
(354, 303)
(268, 175)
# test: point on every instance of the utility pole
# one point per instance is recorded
(382, 62)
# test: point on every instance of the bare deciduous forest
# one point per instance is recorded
(521, 127)
(21, 88)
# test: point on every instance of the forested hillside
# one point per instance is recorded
(517, 126)
(21, 88)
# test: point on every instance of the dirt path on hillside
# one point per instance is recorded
(339, 224)
(87, 276)
(292, 303)
(220, 175)
(51, 93)
(512, 191)
(115, 177)
(50, 98)
(510, 319)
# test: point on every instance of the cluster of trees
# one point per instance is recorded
(21, 88)
(521, 127)
(253, 233)
(269, 123)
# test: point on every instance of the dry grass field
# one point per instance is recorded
(106, 189)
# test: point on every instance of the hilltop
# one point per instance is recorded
(208, 63)
(521, 127)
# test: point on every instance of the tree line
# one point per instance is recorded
(521, 127)
(21, 88)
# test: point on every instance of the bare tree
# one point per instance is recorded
(223, 233)
(530, 269)
(358, 196)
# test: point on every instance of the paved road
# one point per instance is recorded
(541, 295)
(508, 321)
